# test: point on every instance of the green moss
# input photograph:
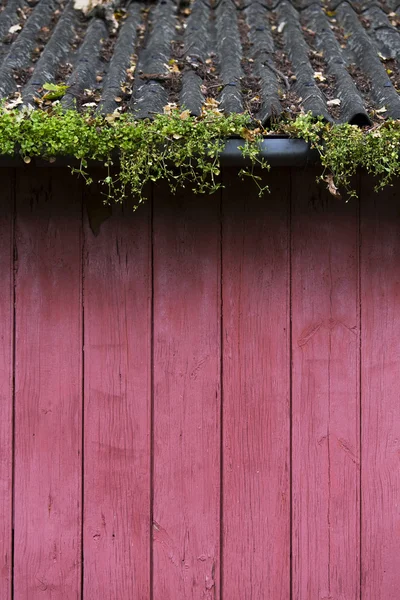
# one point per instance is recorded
(185, 150)
(177, 147)
(345, 148)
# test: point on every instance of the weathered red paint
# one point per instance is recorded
(325, 400)
(6, 381)
(208, 438)
(256, 393)
(117, 309)
(48, 388)
(187, 405)
(380, 385)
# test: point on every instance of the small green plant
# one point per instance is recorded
(175, 146)
(54, 91)
(345, 148)
(185, 150)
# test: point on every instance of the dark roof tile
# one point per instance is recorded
(121, 60)
(229, 52)
(261, 53)
(366, 57)
(55, 52)
(352, 107)
(266, 56)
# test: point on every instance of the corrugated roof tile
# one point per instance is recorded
(337, 59)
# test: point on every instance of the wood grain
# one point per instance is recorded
(256, 391)
(48, 387)
(325, 394)
(380, 360)
(117, 309)
(186, 397)
(154, 360)
(6, 380)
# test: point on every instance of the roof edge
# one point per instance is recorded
(277, 151)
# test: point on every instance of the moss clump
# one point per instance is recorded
(185, 150)
(345, 148)
(177, 147)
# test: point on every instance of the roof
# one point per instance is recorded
(338, 60)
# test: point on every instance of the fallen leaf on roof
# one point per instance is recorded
(15, 29)
(89, 104)
(23, 13)
(172, 66)
(114, 116)
(131, 70)
(382, 57)
(319, 76)
(126, 88)
(281, 26)
(334, 102)
(211, 103)
(120, 13)
(319, 54)
(15, 102)
(381, 110)
(87, 5)
(169, 108)
(394, 19)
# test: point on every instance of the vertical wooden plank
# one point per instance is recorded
(117, 315)
(380, 359)
(186, 397)
(256, 391)
(325, 393)
(48, 386)
(6, 379)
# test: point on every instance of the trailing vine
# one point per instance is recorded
(185, 150)
(174, 146)
(345, 148)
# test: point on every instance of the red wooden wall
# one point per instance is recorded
(199, 400)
